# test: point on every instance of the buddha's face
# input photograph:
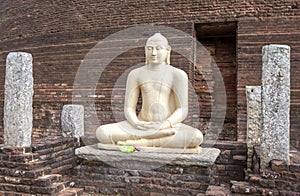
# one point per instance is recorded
(157, 50)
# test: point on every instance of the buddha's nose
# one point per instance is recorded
(154, 52)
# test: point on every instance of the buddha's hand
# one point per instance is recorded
(155, 129)
(143, 125)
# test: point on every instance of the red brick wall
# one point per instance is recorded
(253, 34)
(222, 50)
(59, 35)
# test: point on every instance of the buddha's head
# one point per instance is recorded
(157, 50)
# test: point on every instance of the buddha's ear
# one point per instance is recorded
(146, 59)
(169, 55)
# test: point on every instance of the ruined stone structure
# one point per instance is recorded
(59, 34)
(18, 100)
(275, 108)
(253, 120)
(72, 121)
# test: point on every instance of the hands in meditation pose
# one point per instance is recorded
(164, 91)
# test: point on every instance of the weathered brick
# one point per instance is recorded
(294, 167)
(53, 189)
(279, 166)
(15, 188)
(71, 192)
(14, 150)
(47, 180)
(13, 193)
(23, 166)
(170, 179)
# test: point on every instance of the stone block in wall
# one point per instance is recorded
(275, 104)
(72, 120)
(18, 100)
(253, 120)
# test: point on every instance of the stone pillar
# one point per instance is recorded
(72, 120)
(275, 104)
(253, 120)
(18, 100)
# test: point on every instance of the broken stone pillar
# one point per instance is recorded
(18, 100)
(275, 104)
(253, 120)
(72, 120)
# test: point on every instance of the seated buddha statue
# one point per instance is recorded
(164, 93)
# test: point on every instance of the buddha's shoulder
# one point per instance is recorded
(177, 72)
(137, 71)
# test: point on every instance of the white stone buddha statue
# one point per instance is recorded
(164, 91)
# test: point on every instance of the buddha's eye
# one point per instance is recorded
(149, 48)
(159, 47)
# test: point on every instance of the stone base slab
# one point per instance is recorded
(196, 150)
(146, 160)
(142, 173)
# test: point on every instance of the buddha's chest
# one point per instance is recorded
(154, 87)
(156, 79)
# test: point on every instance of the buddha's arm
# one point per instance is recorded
(180, 88)
(131, 99)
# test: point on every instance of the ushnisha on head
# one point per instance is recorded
(157, 49)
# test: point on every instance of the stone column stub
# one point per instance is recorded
(17, 119)
(275, 104)
(253, 120)
(72, 120)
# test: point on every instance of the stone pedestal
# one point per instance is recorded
(18, 100)
(275, 104)
(115, 172)
(253, 120)
(72, 120)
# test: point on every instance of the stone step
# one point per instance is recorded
(14, 193)
(57, 143)
(7, 187)
(62, 169)
(241, 187)
(27, 189)
(69, 181)
(71, 192)
(48, 180)
(287, 181)
(217, 190)
(42, 181)
(14, 150)
(258, 180)
(246, 188)
(23, 166)
(54, 189)
(25, 174)
(21, 158)
(49, 155)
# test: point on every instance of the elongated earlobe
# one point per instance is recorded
(146, 59)
(168, 56)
